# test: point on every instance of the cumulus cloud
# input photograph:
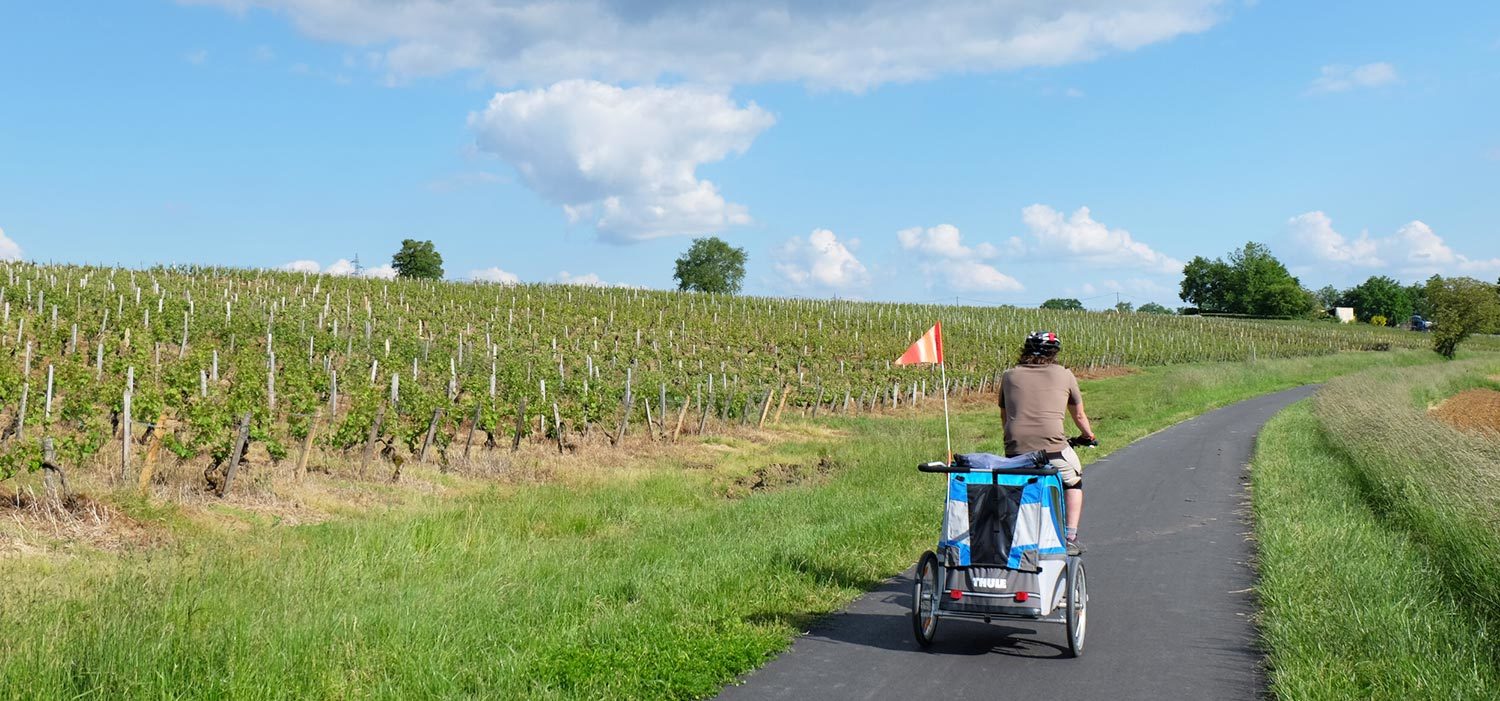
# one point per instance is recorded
(942, 255)
(821, 260)
(1414, 250)
(943, 241)
(383, 272)
(846, 44)
(1079, 237)
(9, 250)
(494, 274)
(342, 266)
(302, 266)
(624, 159)
(1343, 78)
(1313, 231)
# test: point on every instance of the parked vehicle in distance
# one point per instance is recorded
(1420, 324)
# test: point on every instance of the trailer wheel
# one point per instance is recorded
(1078, 606)
(925, 595)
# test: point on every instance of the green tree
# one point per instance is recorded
(1124, 307)
(1328, 296)
(711, 265)
(1153, 308)
(1206, 283)
(1064, 304)
(1417, 293)
(1251, 282)
(1379, 296)
(418, 260)
(1460, 306)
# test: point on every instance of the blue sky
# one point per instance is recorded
(858, 148)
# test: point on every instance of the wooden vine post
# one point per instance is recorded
(515, 443)
(469, 442)
(240, 440)
(437, 414)
(364, 462)
(765, 408)
(681, 415)
(54, 479)
(307, 443)
(148, 466)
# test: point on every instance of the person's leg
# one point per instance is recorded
(1071, 471)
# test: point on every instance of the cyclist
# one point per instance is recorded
(1033, 398)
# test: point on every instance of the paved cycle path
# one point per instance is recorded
(1170, 605)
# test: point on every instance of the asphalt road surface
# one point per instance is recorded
(1170, 606)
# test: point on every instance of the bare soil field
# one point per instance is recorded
(1474, 409)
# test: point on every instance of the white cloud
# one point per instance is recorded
(943, 256)
(342, 266)
(1079, 237)
(302, 266)
(494, 274)
(593, 280)
(822, 260)
(1342, 78)
(586, 279)
(383, 272)
(845, 44)
(1313, 231)
(9, 250)
(943, 241)
(624, 159)
(1414, 250)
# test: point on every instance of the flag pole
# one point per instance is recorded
(947, 430)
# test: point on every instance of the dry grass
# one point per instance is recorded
(1440, 484)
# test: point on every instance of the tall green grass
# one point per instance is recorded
(1352, 607)
(655, 587)
(1437, 483)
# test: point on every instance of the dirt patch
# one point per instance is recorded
(779, 476)
(1471, 410)
(74, 519)
(1103, 372)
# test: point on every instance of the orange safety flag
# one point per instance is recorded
(927, 349)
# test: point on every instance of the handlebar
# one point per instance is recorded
(945, 468)
(1081, 442)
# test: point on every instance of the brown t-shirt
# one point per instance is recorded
(1035, 397)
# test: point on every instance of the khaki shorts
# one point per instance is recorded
(1068, 467)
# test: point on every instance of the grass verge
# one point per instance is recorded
(1352, 607)
(664, 585)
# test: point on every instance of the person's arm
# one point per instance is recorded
(1082, 419)
(1075, 409)
(1000, 397)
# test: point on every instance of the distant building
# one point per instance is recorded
(1345, 315)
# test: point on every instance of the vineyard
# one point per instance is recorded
(116, 366)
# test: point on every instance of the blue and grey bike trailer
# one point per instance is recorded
(1001, 552)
